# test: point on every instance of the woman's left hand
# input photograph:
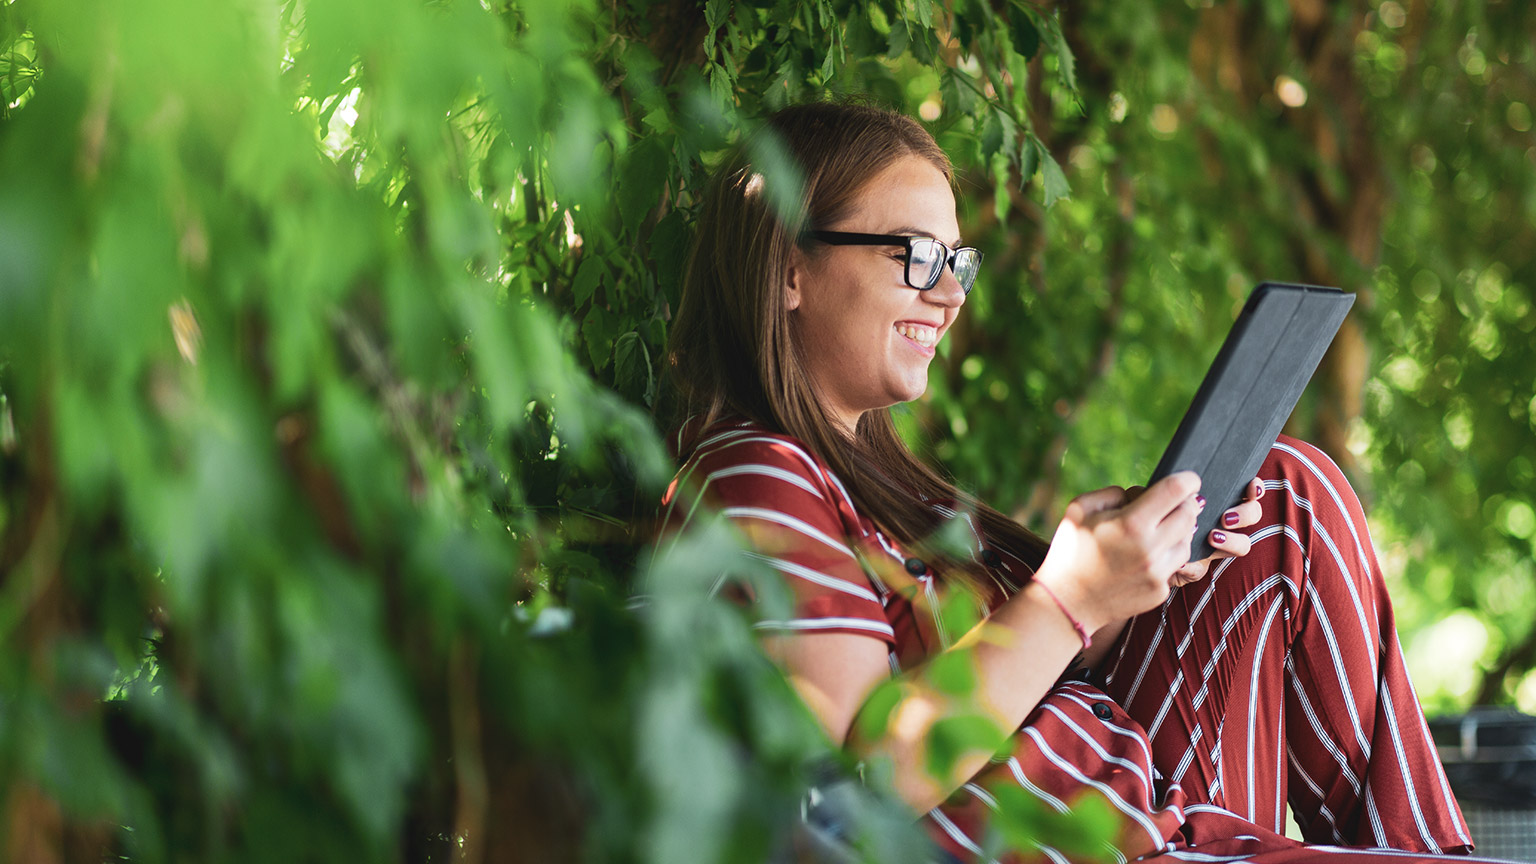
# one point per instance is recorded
(1225, 539)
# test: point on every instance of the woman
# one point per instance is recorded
(1193, 700)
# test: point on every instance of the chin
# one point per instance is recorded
(909, 394)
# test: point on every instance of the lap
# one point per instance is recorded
(1276, 679)
(1279, 679)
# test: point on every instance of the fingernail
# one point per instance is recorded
(1230, 518)
(1218, 536)
(1259, 494)
(1200, 500)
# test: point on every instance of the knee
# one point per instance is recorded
(1302, 462)
(1300, 470)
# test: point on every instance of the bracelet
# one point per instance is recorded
(1082, 632)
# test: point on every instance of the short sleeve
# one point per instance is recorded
(1009, 569)
(777, 495)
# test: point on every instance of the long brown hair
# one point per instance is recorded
(732, 350)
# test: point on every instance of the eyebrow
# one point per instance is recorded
(918, 232)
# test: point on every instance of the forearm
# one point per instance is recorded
(1108, 560)
(1016, 656)
(1103, 640)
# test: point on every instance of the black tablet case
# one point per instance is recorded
(1250, 391)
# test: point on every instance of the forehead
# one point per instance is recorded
(909, 193)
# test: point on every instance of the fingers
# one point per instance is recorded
(1255, 490)
(1182, 517)
(1194, 571)
(1094, 502)
(1116, 558)
(1164, 496)
(1229, 543)
(1248, 512)
(1243, 515)
(1225, 542)
(1173, 529)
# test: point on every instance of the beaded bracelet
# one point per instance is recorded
(1082, 632)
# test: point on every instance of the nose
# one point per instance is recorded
(946, 292)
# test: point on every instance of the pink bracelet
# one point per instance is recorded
(1082, 632)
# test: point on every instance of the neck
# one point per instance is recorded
(846, 423)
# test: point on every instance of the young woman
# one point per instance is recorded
(1194, 700)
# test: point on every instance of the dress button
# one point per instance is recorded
(1102, 710)
(915, 566)
(990, 557)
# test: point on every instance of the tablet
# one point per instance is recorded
(1249, 392)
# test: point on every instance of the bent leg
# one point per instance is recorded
(1232, 853)
(1280, 676)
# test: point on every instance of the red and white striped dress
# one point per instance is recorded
(1277, 678)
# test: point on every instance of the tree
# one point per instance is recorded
(1379, 147)
(329, 331)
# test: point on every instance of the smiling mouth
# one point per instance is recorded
(920, 333)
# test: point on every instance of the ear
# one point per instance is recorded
(794, 280)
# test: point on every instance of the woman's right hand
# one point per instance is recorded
(1112, 558)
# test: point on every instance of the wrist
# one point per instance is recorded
(1083, 630)
(1067, 592)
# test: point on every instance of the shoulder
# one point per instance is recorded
(743, 468)
(746, 452)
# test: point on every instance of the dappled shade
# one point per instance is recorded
(331, 333)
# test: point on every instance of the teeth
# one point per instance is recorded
(921, 334)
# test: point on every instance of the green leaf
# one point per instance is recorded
(599, 331)
(958, 91)
(965, 32)
(991, 134)
(1023, 32)
(715, 14)
(632, 371)
(924, 13)
(1053, 180)
(951, 738)
(959, 613)
(720, 85)
(1026, 822)
(589, 275)
(953, 672)
(1066, 64)
(1091, 826)
(783, 182)
(874, 717)
(997, 132)
(1001, 181)
(646, 168)
(576, 152)
(669, 244)
(1029, 159)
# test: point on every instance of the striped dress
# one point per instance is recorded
(1277, 678)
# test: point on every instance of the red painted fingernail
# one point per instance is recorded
(1218, 536)
(1230, 518)
(1259, 494)
(1200, 499)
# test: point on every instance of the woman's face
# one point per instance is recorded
(865, 336)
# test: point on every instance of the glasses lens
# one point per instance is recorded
(967, 264)
(925, 262)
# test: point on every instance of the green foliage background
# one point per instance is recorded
(329, 332)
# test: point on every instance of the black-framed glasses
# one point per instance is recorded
(926, 257)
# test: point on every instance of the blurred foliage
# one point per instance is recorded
(329, 330)
(1382, 147)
